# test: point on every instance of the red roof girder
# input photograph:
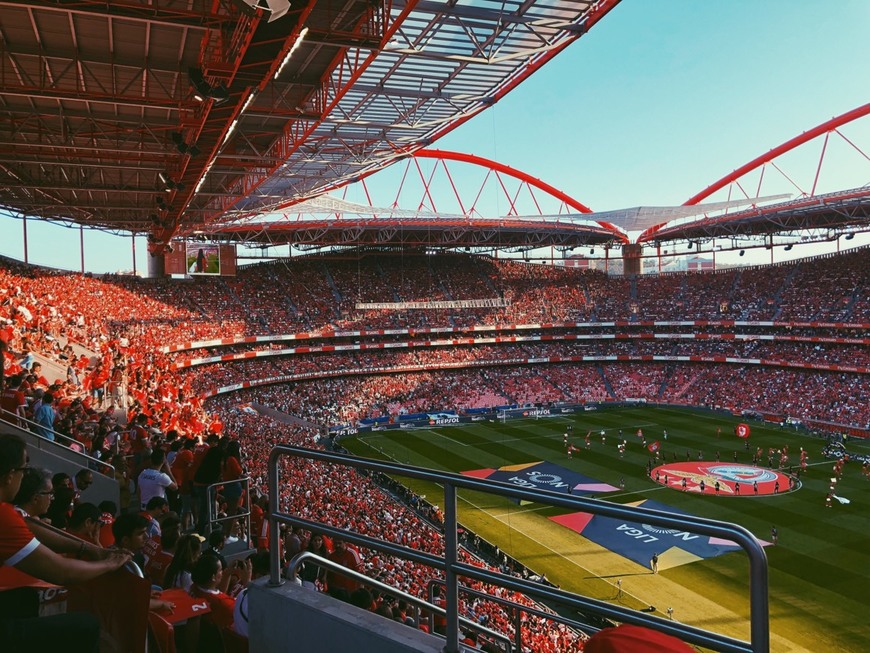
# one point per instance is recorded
(819, 130)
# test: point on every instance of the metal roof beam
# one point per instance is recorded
(86, 189)
(152, 14)
(497, 16)
(101, 152)
(169, 104)
(154, 65)
(395, 91)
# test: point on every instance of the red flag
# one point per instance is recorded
(653, 446)
(742, 430)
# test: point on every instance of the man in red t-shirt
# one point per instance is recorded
(207, 575)
(139, 439)
(348, 557)
(5, 338)
(182, 470)
(38, 556)
(13, 400)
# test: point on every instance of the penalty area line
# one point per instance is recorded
(568, 559)
(441, 435)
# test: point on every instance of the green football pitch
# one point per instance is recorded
(819, 570)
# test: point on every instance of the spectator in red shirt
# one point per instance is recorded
(208, 577)
(232, 471)
(158, 563)
(13, 400)
(20, 548)
(347, 556)
(110, 510)
(182, 470)
(85, 523)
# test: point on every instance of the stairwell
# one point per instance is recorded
(777, 297)
(633, 316)
(669, 372)
(849, 309)
(697, 377)
(607, 386)
(235, 298)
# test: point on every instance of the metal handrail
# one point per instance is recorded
(417, 602)
(518, 609)
(60, 438)
(453, 568)
(211, 495)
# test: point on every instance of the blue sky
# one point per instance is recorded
(659, 100)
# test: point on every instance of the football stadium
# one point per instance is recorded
(373, 375)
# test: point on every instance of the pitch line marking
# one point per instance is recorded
(506, 522)
(441, 435)
(519, 512)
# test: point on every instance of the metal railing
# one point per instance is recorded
(244, 507)
(418, 603)
(69, 444)
(518, 609)
(453, 568)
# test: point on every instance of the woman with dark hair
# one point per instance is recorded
(231, 473)
(35, 494)
(122, 478)
(61, 506)
(188, 550)
(208, 473)
(311, 573)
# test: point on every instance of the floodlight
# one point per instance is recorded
(219, 93)
(278, 8)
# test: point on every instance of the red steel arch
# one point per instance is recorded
(473, 159)
(824, 128)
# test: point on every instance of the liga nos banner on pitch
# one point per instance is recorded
(638, 541)
(544, 476)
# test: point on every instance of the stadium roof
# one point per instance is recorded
(163, 118)
(831, 212)
(331, 221)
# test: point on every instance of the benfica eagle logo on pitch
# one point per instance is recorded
(723, 479)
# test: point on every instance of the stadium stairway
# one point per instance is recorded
(777, 297)
(697, 377)
(231, 292)
(336, 293)
(849, 309)
(666, 377)
(57, 458)
(607, 385)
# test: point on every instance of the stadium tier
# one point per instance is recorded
(194, 356)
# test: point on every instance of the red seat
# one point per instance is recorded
(162, 634)
(233, 642)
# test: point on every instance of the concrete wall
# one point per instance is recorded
(293, 618)
(58, 458)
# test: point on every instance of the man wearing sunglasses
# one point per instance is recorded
(34, 548)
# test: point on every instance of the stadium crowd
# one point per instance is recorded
(106, 333)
